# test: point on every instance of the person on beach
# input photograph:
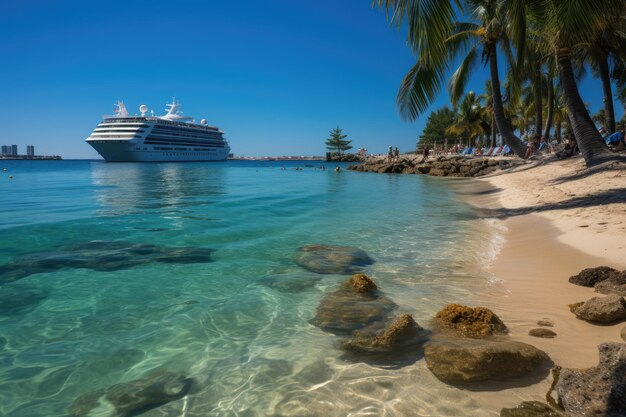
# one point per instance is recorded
(532, 147)
(396, 153)
(390, 154)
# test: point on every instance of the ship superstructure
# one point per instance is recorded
(171, 137)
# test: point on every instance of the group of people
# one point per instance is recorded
(393, 154)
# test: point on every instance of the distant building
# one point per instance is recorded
(5, 150)
(13, 150)
(30, 150)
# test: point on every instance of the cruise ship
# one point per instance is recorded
(172, 137)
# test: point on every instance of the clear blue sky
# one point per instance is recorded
(275, 75)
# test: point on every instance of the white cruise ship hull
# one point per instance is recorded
(119, 152)
(155, 139)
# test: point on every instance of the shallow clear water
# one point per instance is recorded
(248, 345)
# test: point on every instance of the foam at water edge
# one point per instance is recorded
(494, 246)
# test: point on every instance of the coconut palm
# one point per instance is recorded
(438, 39)
(605, 53)
(564, 26)
(469, 121)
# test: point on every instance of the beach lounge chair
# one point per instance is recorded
(542, 146)
(506, 150)
(498, 151)
(464, 151)
(490, 151)
(487, 151)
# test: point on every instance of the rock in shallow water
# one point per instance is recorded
(545, 323)
(597, 391)
(291, 282)
(590, 276)
(601, 309)
(403, 332)
(327, 259)
(133, 398)
(347, 309)
(472, 360)
(473, 322)
(531, 409)
(101, 256)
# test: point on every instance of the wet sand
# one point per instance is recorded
(542, 208)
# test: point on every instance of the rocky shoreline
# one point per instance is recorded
(441, 166)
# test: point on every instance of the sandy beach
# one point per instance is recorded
(558, 220)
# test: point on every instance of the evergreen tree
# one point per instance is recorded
(337, 142)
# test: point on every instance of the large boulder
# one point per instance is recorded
(135, 397)
(614, 284)
(401, 333)
(597, 391)
(351, 308)
(601, 309)
(328, 259)
(590, 276)
(470, 321)
(531, 409)
(472, 360)
(361, 283)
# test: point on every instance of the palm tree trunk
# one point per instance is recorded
(590, 143)
(538, 99)
(550, 115)
(609, 112)
(505, 130)
(557, 132)
(493, 131)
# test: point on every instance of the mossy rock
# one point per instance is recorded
(475, 322)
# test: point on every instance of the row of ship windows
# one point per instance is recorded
(157, 131)
(158, 148)
(186, 129)
(203, 145)
(123, 125)
(98, 130)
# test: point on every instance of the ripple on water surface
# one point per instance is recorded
(238, 323)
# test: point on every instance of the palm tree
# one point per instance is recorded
(564, 25)
(490, 115)
(438, 39)
(470, 120)
(604, 53)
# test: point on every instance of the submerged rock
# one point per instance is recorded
(601, 309)
(327, 259)
(403, 332)
(135, 397)
(531, 409)
(346, 309)
(545, 323)
(101, 256)
(16, 299)
(590, 276)
(472, 360)
(541, 332)
(473, 322)
(597, 391)
(291, 282)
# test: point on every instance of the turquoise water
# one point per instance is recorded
(245, 341)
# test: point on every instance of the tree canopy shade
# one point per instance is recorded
(532, 35)
(436, 124)
(337, 142)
